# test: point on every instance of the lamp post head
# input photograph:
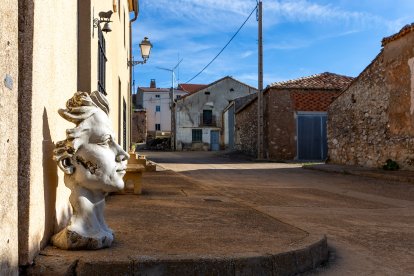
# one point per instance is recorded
(145, 47)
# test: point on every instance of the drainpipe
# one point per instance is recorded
(135, 4)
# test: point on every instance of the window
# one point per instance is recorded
(178, 97)
(207, 93)
(101, 61)
(157, 126)
(207, 117)
(157, 108)
(197, 135)
(157, 96)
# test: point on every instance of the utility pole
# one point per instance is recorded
(260, 84)
(172, 104)
(172, 113)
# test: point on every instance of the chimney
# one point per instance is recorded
(152, 84)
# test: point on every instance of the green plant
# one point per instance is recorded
(133, 147)
(391, 165)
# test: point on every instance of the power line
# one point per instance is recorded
(225, 46)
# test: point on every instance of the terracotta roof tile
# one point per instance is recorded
(324, 81)
(215, 82)
(191, 88)
(313, 101)
(405, 30)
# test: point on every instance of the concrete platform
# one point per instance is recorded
(179, 227)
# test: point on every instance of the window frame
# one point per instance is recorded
(207, 117)
(102, 59)
(196, 135)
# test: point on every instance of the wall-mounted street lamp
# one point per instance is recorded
(145, 47)
(104, 17)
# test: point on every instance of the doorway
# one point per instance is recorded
(312, 137)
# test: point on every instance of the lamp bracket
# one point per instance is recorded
(136, 62)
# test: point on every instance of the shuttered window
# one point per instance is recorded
(197, 135)
(101, 61)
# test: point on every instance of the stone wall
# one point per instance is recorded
(246, 129)
(279, 125)
(8, 137)
(372, 121)
(139, 126)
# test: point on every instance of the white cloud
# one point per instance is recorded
(246, 54)
(293, 44)
(197, 29)
(307, 11)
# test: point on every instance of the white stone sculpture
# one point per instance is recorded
(94, 164)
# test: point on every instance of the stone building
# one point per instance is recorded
(229, 123)
(48, 51)
(295, 114)
(373, 120)
(139, 126)
(199, 115)
(245, 127)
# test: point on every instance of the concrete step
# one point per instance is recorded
(178, 227)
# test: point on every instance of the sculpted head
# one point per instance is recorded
(90, 157)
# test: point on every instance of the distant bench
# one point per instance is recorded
(137, 164)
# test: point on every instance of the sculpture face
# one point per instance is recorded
(94, 165)
(99, 163)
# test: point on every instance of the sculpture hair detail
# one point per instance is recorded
(78, 108)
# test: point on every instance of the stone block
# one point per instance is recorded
(261, 265)
(184, 267)
(133, 178)
(284, 264)
(107, 267)
(150, 167)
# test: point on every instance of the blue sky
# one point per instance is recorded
(300, 37)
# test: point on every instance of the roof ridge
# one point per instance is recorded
(325, 80)
(404, 30)
(297, 79)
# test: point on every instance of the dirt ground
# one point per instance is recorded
(369, 222)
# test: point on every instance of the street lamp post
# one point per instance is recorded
(145, 47)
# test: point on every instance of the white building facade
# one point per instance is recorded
(199, 124)
(157, 104)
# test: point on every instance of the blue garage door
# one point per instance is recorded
(312, 139)
(215, 140)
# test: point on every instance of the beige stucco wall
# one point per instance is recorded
(48, 67)
(8, 137)
(52, 69)
(117, 70)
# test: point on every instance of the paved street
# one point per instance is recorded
(369, 222)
